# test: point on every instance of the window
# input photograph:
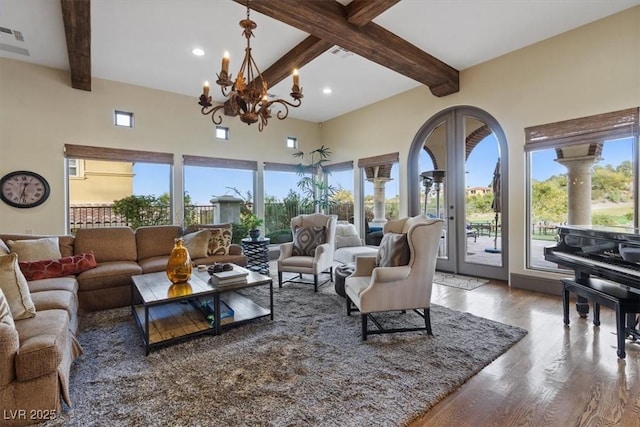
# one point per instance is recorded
(110, 175)
(123, 118)
(222, 132)
(292, 142)
(74, 167)
(282, 200)
(340, 177)
(581, 171)
(216, 190)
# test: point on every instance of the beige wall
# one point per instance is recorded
(590, 70)
(100, 182)
(40, 113)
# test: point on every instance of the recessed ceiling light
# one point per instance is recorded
(326, 90)
(198, 52)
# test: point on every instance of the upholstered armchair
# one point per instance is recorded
(311, 251)
(400, 277)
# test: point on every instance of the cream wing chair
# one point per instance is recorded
(306, 254)
(403, 287)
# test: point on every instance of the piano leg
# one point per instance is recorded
(582, 303)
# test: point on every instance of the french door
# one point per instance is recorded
(461, 167)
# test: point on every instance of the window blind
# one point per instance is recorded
(115, 154)
(215, 162)
(583, 130)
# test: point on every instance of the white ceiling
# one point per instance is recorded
(149, 42)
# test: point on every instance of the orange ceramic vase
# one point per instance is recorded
(179, 265)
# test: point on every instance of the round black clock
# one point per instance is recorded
(24, 189)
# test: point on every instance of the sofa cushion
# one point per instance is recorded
(156, 240)
(15, 288)
(348, 254)
(154, 264)
(307, 239)
(347, 241)
(65, 266)
(5, 311)
(107, 244)
(197, 243)
(393, 251)
(56, 299)
(43, 341)
(108, 275)
(68, 283)
(36, 249)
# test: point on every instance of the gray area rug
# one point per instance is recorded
(307, 367)
(457, 281)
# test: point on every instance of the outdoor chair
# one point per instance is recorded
(311, 251)
(400, 278)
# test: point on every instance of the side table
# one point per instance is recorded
(257, 252)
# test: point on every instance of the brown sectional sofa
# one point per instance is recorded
(36, 355)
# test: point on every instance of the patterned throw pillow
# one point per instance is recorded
(66, 266)
(394, 250)
(15, 288)
(5, 311)
(307, 239)
(35, 249)
(219, 240)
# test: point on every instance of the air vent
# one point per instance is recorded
(342, 52)
(5, 30)
(14, 49)
(18, 35)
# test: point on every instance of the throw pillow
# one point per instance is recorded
(33, 250)
(5, 311)
(344, 230)
(307, 239)
(394, 250)
(4, 249)
(197, 243)
(14, 286)
(219, 240)
(65, 266)
(348, 241)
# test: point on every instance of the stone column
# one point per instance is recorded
(579, 188)
(379, 200)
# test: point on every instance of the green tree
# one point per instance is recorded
(143, 210)
(549, 201)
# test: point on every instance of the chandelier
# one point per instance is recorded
(248, 96)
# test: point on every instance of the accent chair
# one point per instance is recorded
(400, 277)
(311, 251)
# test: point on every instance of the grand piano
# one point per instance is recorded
(610, 253)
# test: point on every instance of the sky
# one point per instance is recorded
(204, 183)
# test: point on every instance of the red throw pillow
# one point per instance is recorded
(66, 266)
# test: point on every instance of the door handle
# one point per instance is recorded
(451, 218)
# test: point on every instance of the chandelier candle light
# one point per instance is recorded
(249, 100)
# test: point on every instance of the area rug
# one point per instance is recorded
(457, 281)
(307, 367)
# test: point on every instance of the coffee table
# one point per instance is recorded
(165, 314)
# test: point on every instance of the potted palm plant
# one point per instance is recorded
(252, 223)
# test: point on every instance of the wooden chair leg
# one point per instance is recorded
(427, 320)
(596, 314)
(315, 283)
(348, 306)
(565, 305)
(364, 326)
(279, 279)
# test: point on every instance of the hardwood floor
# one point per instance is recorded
(555, 376)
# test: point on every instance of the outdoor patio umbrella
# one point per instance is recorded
(496, 204)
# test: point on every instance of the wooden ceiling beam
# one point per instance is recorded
(76, 15)
(361, 12)
(327, 20)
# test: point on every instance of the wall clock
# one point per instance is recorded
(24, 189)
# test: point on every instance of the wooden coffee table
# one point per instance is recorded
(166, 314)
